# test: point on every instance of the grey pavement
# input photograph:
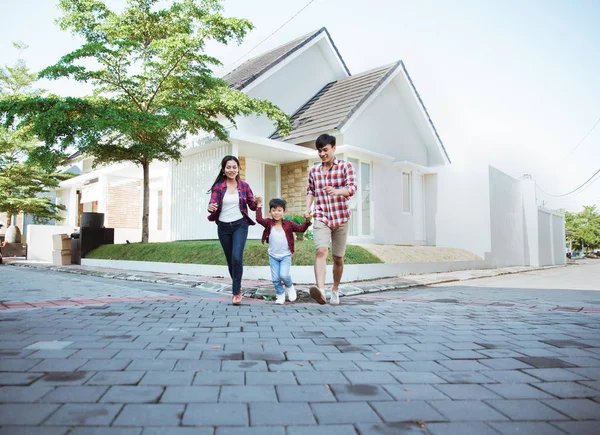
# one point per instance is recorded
(377, 364)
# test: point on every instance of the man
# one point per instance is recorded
(330, 185)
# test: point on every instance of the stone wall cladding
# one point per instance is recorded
(124, 206)
(242, 168)
(294, 177)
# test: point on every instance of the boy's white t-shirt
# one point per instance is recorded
(278, 244)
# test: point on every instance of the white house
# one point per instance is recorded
(381, 125)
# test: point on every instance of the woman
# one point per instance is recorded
(228, 207)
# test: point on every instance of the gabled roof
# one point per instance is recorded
(333, 106)
(253, 68)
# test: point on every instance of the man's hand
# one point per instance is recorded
(258, 201)
(212, 207)
(307, 214)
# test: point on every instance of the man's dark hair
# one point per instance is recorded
(324, 140)
(277, 202)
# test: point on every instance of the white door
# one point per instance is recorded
(263, 179)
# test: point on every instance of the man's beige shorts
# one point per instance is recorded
(337, 236)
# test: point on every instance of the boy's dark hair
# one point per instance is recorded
(277, 202)
(324, 140)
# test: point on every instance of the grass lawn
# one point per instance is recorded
(210, 252)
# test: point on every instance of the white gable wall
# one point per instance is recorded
(387, 127)
(290, 86)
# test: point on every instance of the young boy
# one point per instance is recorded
(279, 234)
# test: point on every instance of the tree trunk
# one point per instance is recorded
(8, 219)
(146, 201)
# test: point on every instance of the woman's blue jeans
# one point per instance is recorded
(280, 271)
(232, 236)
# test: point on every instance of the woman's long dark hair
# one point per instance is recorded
(221, 177)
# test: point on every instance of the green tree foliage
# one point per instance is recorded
(152, 79)
(584, 228)
(23, 181)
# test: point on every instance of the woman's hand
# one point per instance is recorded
(212, 207)
(258, 201)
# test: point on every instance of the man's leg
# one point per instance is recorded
(338, 269)
(339, 237)
(322, 238)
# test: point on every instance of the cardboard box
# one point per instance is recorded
(61, 242)
(61, 257)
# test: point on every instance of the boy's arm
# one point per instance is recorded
(259, 217)
(301, 228)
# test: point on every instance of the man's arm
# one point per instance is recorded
(310, 195)
(309, 201)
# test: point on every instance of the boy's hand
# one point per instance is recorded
(258, 201)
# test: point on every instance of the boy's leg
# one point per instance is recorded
(322, 238)
(284, 270)
(276, 275)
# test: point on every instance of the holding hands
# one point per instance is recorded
(258, 201)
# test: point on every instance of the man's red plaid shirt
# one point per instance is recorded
(332, 210)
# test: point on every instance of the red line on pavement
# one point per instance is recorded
(75, 302)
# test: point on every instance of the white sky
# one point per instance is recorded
(514, 82)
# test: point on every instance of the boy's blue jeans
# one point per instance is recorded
(280, 271)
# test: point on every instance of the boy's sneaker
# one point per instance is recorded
(280, 300)
(335, 298)
(318, 295)
(291, 292)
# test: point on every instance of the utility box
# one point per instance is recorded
(60, 257)
(61, 242)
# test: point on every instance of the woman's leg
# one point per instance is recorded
(240, 234)
(275, 275)
(284, 271)
(226, 239)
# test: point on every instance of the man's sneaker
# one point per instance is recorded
(237, 299)
(318, 295)
(335, 298)
(291, 292)
(280, 300)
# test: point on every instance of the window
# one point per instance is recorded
(406, 192)
(360, 203)
(270, 178)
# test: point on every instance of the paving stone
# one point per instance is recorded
(529, 410)
(508, 376)
(245, 365)
(84, 415)
(462, 365)
(106, 431)
(270, 378)
(377, 366)
(360, 392)
(330, 429)
(295, 366)
(470, 410)
(505, 364)
(33, 430)
(95, 354)
(116, 378)
(220, 414)
(370, 377)
(18, 365)
(49, 345)
(167, 378)
(586, 372)
(578, 427)
(59, 365)
(150, 415)
(339, 413)
(98, 365)
(265, 430)
(178, 431)
(577, 409)
(541, 362)
(422, 366)
(461, 428)
(202, 394)
(219, 378)
(518, 391)
(407, 411)
(525, 428)
(466, 392)
(304, 393)
(65, 378)
(79, 394)
(415, 392)
(23, 394)
(247, 394)
(417, 378)
(9, 378)
(329, 377)
(197, 365)
(128, 394)
(151, 364)
(25, 414)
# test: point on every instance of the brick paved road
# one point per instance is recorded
(369, 366)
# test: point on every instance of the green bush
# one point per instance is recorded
(297, 219)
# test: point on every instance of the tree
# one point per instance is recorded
(23, 182)
(583, 228)
(153, 84)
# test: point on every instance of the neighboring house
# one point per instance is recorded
(381, 126)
